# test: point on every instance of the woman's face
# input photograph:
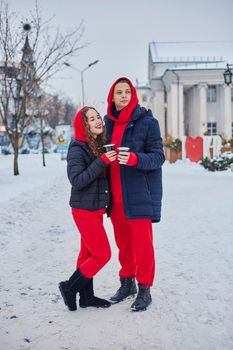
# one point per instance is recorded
(121, 95)
(95, 122)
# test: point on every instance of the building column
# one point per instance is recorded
(227, 122)
(173, 110)
(202, 108)
(181, 110)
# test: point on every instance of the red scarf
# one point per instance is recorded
(120, 124)
(79, 130)
(126, 112)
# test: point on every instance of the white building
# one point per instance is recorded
(187, 94)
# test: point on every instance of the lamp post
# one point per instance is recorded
(228, 75)
(82, 75)
(82, 79)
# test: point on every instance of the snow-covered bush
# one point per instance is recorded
(223, 162)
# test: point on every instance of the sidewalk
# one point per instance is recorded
(192, 295)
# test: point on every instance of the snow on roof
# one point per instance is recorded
(201, 66)
(142, 85)
(191, 51)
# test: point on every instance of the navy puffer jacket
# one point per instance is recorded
(141, 184)
(87, 176)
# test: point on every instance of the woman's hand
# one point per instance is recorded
(111, 155)
(123, 157)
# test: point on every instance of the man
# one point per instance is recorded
(136, 187)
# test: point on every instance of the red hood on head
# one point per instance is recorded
(79, 130)
(126, 112)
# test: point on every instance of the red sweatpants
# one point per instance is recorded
(95, 250)
(134, 239)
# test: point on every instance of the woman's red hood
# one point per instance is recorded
(79, 130)
(126, 112)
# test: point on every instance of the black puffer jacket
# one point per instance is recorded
(87, 176)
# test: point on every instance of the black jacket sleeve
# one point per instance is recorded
(80, 173)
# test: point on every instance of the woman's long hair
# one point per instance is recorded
(95, 144)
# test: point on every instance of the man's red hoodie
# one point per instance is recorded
(120, 124)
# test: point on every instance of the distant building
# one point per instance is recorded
(20, 80)
(16, 80)
(187, 94)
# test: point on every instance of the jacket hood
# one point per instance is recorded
(79, 130)
(125, 113)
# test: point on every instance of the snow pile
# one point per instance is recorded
(192, 295)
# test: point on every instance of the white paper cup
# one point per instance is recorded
(123, 149)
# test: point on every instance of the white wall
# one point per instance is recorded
(159, 110)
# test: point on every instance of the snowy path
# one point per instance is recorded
(192, 296)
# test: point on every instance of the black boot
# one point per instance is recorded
(87, 297)
(70, 288)
(143, 299)
(127, 288)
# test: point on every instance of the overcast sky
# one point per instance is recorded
(120, 31)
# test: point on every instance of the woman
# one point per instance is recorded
(89, 200)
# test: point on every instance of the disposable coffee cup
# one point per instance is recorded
(109, 147)
(122, 149)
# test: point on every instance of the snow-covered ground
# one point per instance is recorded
(192, 296)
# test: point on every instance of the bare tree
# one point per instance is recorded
(23, 74)
(61, 110)
(53, 110)
(70, 111)
(56, 110)
(42, 112)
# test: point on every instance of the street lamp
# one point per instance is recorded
(82, 80)
(228, 75)
(82, 77)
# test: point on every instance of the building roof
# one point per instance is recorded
(200, 66)
(191, 51)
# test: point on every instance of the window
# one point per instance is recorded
(212, 128)
(231, 95)
(212, 93)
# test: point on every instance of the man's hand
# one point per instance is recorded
(123, 157)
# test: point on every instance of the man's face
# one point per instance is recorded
(121, 95)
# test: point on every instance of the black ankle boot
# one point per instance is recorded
(127, 288)
(143, 299)
(70, 288)
(87, 297)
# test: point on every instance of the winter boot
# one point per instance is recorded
(127, 288)
(87, 297)
(70, 288)
(143, 299)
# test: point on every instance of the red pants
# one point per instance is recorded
(95, 250)
(134, 239)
